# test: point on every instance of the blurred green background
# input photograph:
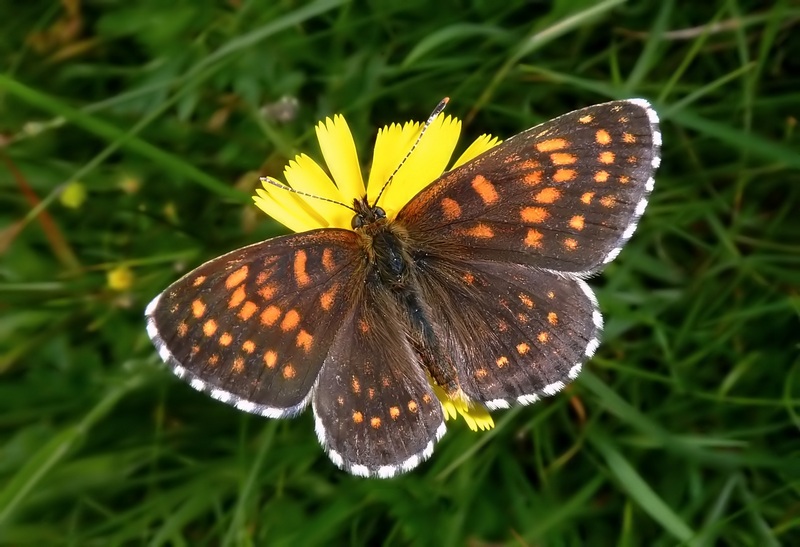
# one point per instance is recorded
(131, 137)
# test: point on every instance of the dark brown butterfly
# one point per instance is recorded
(476, 285)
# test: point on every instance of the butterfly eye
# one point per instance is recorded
(357, 222)
(379, 213)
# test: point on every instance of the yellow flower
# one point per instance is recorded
(120, 278)
(73, 195)
(343, 183)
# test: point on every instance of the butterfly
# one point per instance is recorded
(476, 286)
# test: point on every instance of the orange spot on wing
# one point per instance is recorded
(198, 308)
(270, 315)
(543, 337)
(225, 339)
(213, 360)
(468, 278)
(551, 294)
(183, 328)
(304, 340)
(525, 299)
(289, 372)
(481, 231)
(237, 297)
(624, 179)
(358, 417)
(356, 385)
(327, 298)
(587, 197)
(450, 208)
(527, 165)
(601, 176)
(501, 361)
(577, 222)
(552, 318)
(533, 178)
(547, 195)
(247, 311)
(485, 190)
(236, 277)
(327, 260)
(209, 327)
(290, 320)
(608, 201)
(199, 280)
(564, 175)
(426, 398)
(523, 348)
(238, 365)
(481, 373)
(300, 275)
(628, 138)
(375, 422)
(562, 158)
(267, 292)
(270, 358)
(602, 137)
(570, 244)
(363, 326)
(412, 406)
(249, 346)
(394, 412)
(534, 238)
(262, 277)
(534, 215)
(586, 119)
(551, 144)
(606, 157)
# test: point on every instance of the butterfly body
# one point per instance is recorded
(475, 286)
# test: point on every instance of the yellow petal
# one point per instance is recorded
(305, 175)
(424, 165)
(391, 146)
(479, 417)
(474, 413)
(286, 208)
(449, 408)
(339, 151)
(478, 147)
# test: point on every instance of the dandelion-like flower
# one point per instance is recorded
(343, 182)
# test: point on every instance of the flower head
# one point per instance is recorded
(343, 182)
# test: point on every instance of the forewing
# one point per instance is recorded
(253, 327)
(375, 411)
(564, 195)
(516, 333)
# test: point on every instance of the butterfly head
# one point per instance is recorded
(366, 214)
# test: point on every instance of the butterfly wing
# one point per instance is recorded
(375, 412)
(564, 195)
(515, 332)
(253, 327)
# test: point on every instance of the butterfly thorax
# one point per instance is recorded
(385, 245)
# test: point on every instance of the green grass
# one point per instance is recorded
(683, 430)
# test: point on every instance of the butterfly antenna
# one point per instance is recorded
(282, 186)
(436, 112)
